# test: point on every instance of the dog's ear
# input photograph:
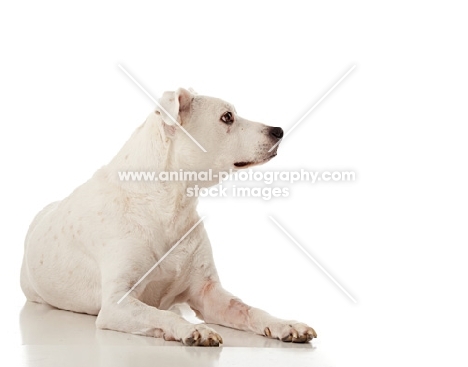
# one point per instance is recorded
(172, 104)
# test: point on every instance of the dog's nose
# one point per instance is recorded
(276, 132)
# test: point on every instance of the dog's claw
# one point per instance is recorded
(311, 333)
(189, 341)
(287, 338)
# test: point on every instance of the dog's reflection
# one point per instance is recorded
(42, 324)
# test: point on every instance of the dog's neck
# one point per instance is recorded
(149, 150)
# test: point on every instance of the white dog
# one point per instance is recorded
(87, 251)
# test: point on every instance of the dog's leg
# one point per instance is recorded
(135, 317)
(217, 306)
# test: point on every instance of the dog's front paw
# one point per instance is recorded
(201, 335)
(295, 332)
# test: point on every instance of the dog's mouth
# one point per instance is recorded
(253, 163)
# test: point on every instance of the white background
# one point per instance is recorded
(395, 238)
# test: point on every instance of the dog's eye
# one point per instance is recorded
(227, 118)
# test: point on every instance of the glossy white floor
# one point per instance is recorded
(52, 337)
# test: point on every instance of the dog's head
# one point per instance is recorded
(230, 141)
